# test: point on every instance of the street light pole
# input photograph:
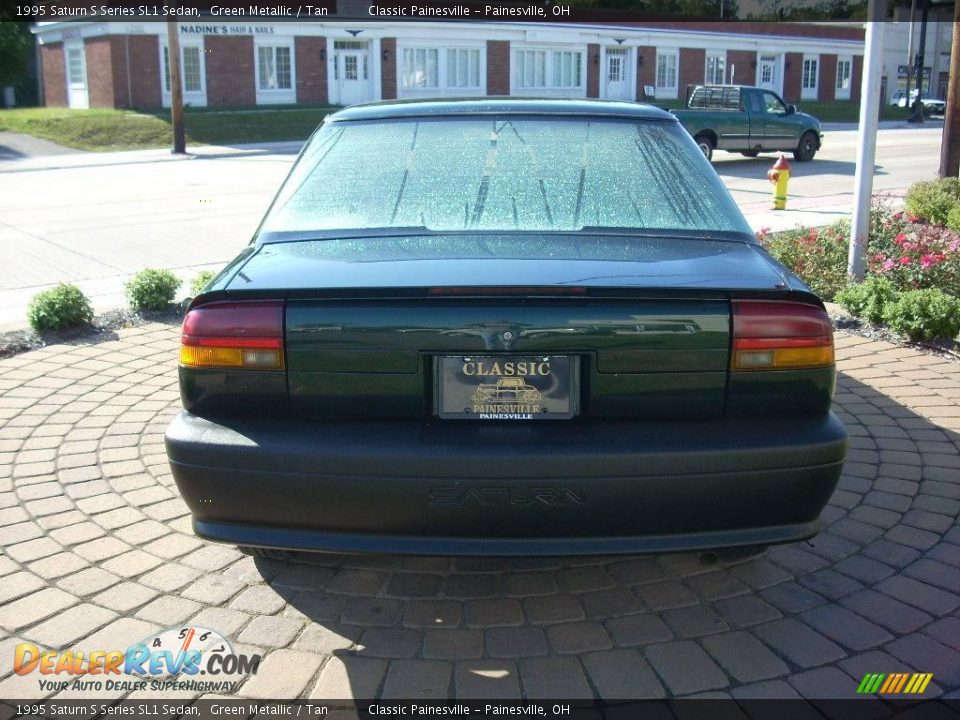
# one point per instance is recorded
(950, 144)
(176, 88)
(867, 139)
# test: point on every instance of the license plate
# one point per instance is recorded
(507, 387)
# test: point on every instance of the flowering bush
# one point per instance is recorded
(817, 255)
(908, 252)
(913, 254)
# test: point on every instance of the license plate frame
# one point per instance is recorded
(507, 388)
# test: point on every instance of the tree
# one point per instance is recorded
(16, 44)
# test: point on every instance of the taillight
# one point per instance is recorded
(772, 335)
(242, 335)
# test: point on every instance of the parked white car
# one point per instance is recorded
(931, 106)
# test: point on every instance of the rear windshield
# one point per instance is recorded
(503, 173)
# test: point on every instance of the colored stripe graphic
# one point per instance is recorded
(895, 683)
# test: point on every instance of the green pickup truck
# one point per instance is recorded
(747, 120)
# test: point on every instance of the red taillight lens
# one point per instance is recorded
(244, 335)
(772, 335)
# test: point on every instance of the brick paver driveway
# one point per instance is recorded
(98, 553)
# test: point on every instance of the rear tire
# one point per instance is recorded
(265, 553)
(807, 148)
(706, 144)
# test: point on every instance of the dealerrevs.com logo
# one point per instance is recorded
(894, 683)
(190, 658)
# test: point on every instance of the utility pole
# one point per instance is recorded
(950, 144)
(176, 88)
(867, 138)
(913, 14)
(917, 116)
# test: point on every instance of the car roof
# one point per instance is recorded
(393, 109)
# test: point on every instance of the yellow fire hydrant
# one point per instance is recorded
(779, 175)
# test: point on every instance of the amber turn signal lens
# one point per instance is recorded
(228, 357)
(783, 358)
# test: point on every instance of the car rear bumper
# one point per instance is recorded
(546, 488)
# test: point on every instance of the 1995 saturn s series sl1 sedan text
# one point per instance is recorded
(505, 327)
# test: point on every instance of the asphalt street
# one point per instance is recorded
(94, 219)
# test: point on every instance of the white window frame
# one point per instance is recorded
(552, 54)
(666, 91)
(810, 91)
(443, 86)
(840, 92)
(275, 96)
(195, 98)
(715, 55)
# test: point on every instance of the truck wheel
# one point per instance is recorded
(807, 147)
(706, 144)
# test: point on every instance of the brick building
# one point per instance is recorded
(241, 64)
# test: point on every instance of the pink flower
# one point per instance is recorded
(900, 238)
(898, 215)
(904, 260)
(927, 260)
(888, 265)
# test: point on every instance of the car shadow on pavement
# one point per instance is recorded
(754, 168)
(875, 591)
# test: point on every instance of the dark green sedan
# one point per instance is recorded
(506, 327)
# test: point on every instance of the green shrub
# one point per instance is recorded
(201, 281)
(932, 200)
(818, 256)
(152, 289)
(60, 307)
(953, 219)
(868, 299)
(924, 315)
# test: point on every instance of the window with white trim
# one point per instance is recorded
(666, 77)
(715, 72)
(421, 68)
(531, 68)
(844, 71)
(548, 69)
(463, 68)
(811, 68)
(190, 68)
(274, 67)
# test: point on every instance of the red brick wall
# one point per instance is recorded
(828, 77)
(230, 76)
(792, 76)
(856, 75)
(498, 67)
(54, 75)
(145, 71)
(692, 68)
(99, 71)
(311, 69)
(646, 73)
(593, 71)
(388, 68)
(118, 62)
(741, 63)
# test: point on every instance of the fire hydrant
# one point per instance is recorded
(779, 175)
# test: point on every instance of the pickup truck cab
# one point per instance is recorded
(748, 120)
